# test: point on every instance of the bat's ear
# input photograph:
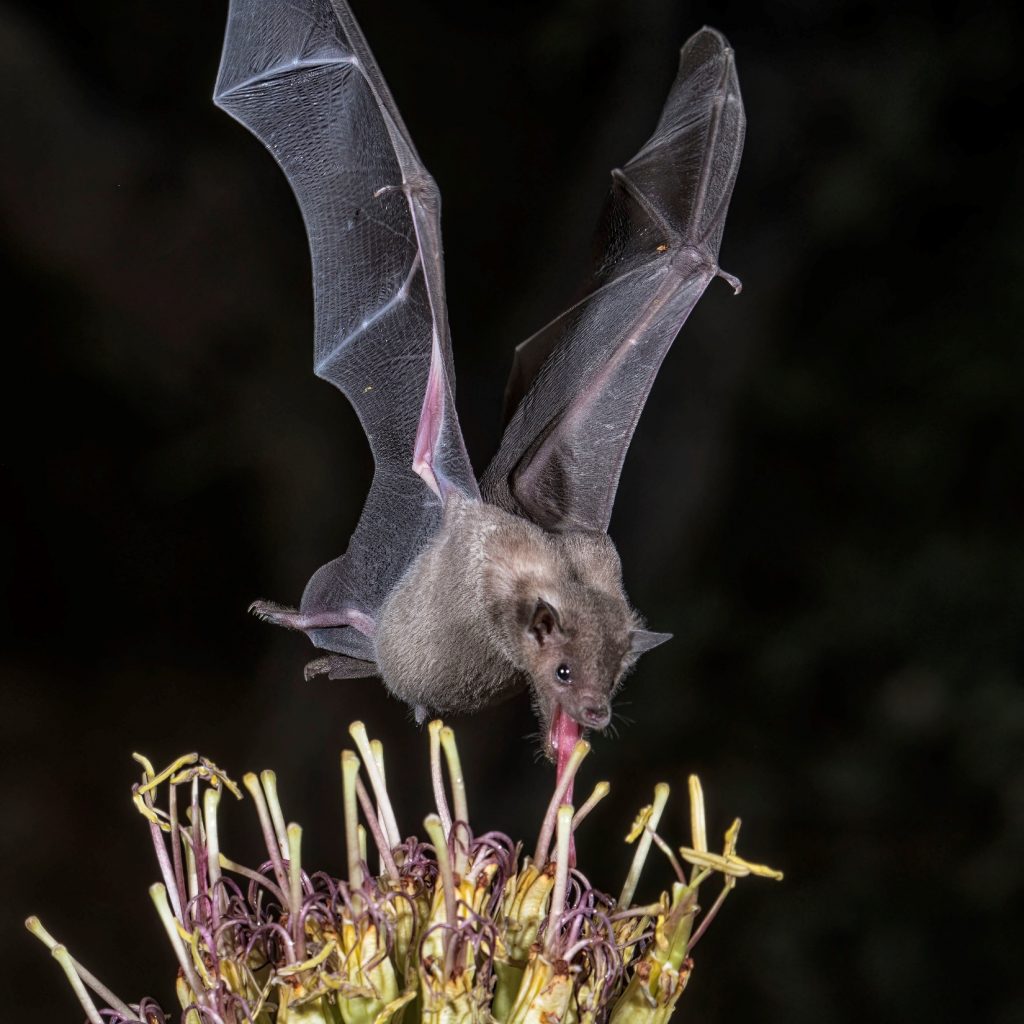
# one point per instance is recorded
(643, 640)
(545, 626)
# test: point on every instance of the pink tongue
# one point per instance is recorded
(564, 734)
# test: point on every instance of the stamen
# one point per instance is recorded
(361, 836)
(150, 813)
(155, 778)
(211, 799)
(158, 894)
(670, 856)
(269, 780)
(252, 783)
(728, 865)
(547, 828)
(197, 959)
(35, 926)
(294, 834)
(711, 914)
(557, 907)
(218, 778)
(172, 874)
(62, 957)
(358, 732)
(698, 825)
(349, 774)
(328, 948)
(455, 776)
(661, 792)
(372, 820)
(458, 784)
(166, 869)
(178, 889)
(732, 835)
(194, 845)
(253, 876)
(436, 778)
(600, 791)
(649, 910)
(378, 755)
(432, 823)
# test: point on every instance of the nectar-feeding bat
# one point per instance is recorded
(458, 593)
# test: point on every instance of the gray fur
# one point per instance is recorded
(457, 632)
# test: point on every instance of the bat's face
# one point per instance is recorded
(579, 641)
(579, 654)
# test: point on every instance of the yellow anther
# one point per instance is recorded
(151, 814)
(329, 947)
(698, 823)
(728, 864)
(197, 957)
(732, 835)
(172, 769)
(643, 816)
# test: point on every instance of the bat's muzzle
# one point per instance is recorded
(595, 716)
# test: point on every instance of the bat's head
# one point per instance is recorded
(579, 639)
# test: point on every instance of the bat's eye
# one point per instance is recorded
(563, 673)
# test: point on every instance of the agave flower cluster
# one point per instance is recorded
(456, 930)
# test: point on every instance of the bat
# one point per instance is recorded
(459, 593)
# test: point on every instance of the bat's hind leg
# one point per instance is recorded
(291, 618)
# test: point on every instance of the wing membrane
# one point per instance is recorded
(584, 379)
(301, 78)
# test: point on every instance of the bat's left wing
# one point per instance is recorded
(585, 377)
(300, 76)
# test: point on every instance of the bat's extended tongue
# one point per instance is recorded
(564, 734)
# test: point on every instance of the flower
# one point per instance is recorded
(459, 929)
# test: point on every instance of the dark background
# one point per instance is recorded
(823, 501)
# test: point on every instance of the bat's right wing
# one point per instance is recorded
(584, 379)
(299, 75)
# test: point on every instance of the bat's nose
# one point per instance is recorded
(596, 716)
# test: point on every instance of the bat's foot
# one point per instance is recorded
(338, 666)
(278, 614)
(421, 713)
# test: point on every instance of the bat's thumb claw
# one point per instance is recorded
(737, 284)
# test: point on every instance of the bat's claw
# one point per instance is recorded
(339, 666)
(737, 284)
